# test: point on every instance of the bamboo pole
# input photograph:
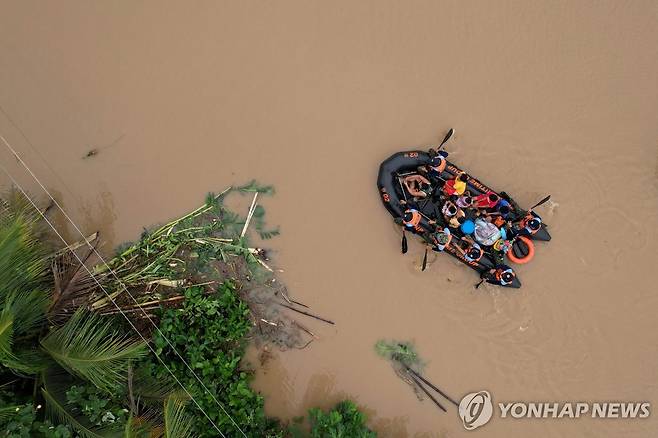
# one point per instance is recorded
(249, 215)
(307, 314)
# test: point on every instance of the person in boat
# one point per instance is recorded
(486, 200)
(458, 219)
(441, 239)
(435, 166)
(411, 219)
(500, 248)
(527, 226)
(472, 251)
(464, 201)
(504, 208)
(417, 185)
(456, 186)
(501, 274)
(452, 214)
(495, 217)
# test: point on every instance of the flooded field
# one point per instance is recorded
(552, 98)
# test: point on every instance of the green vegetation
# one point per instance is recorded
(208, 331)
(70, 364)
(407, 365)
(399, 352)
(344, 421)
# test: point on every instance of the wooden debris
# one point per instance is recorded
(307, 314)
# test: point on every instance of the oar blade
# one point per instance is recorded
(447, 137)
(424, 260)
(543, 201)
(405, 248)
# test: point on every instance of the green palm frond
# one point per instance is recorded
(6, 331)
(150, 390)
(177, 423)
(57, 411)
(23, 265)
(73, 283)
(135, 428)
(28, 309)
(91, 347)
(7, 412)
(268, 234)
(254, 186)
(21, 314)
(23, 283)
(403, 352)
(23, 261)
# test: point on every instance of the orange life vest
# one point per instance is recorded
(415, 219)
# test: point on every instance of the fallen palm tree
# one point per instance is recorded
(408, 366)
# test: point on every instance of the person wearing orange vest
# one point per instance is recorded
(473, 251)
(502, 274)
(411, 220)
(527, 226)
(530, 225)
(436, 165)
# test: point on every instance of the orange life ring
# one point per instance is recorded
(527, 257)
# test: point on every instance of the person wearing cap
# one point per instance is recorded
(527, 226)
(502, 274)
(532, 225)
(411, 218)
(441, 239)
(436, 165)
(472, 252)
(456, 186)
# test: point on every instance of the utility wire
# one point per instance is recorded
(93, 248)
(108, 295)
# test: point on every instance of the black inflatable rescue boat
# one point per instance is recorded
(398, 199)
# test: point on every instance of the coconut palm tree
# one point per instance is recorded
(87, 346)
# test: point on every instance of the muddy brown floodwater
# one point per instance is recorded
(556, 97)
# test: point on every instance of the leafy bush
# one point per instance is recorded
(76, 367)
(208, 333)
(344, 421)
(96, 406)
(19, 420)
